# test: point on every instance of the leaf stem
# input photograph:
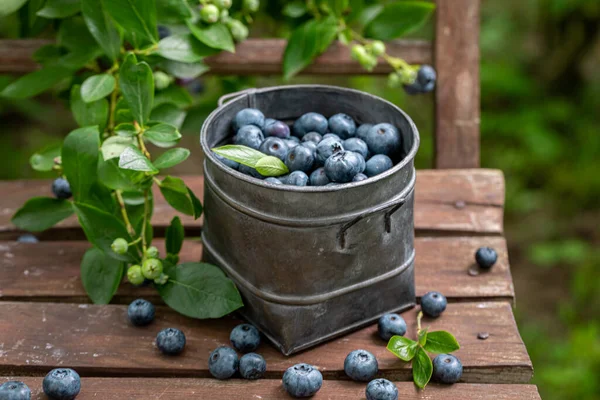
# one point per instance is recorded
(419, 316)
(144, 223)
(113, 103)
(142, 145)
(119, 195)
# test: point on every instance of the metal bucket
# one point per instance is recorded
(312, 263)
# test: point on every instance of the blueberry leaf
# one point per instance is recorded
(137, 85)
(403, 348)
(117, 178)
(88, 114)
(132, 158)
(41, 213)
(180, 197)
(43, 160)
(242, 154)
(338, 6)
(172, 10)
(168, 114)
(422, 368)
(97, 87)
(100, 275)
(184, 70)
(422, 337)
(295, 9)
(36, 82)
(10, 6)
(175, 95)
(441, 342)
(102, 27)
(183, 48)
(171, 158)
(271, 166)
(126, 130)
(162, 135)
(174, 236)
(399, 18)
(114, 146)
(216, 36)
(80, 160)
(137, 17)
(59, 8)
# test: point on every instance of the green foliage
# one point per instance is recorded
(100, 275)
(41, 213)
(397, 19)
(265, 165)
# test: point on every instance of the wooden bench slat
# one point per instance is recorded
(184, 388)
(50, 270)
(98, 340)
(447, 202)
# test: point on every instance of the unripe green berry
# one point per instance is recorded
(152, 268)
(251, 5)
(119, 246)
(224, 17)
(377, 48)
(394, 80)
(223, 4)
(358, 52)
(134, 275)
(161, 80)
(151, 252)
(238, 30)
(162, 279)
(209, 14)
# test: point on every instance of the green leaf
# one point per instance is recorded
(196, 204)
(403, 348)
(10, 6)
(100, 275)
(295, 9)
(216, 36)
(338, 6)
(368, 14)
(80, 160)
(132, 158)
(172, 10)
(174, 236)
(162, 135)
(306, 43)
(88, 114)
(422, 337)
(399, 18)
(271, 166)
(59, 8)
(97, 87)
(48, 54)
(180, 197)
(43, 160)
(31, 24)
(101, 197)
(242, 154)
(172, 157)
(175, 95)
(126, 130)
(422, 368)
(184, 48)
(441, 342)
(36, 82)
(184, 70)
(115, 145)
(117, 178)
(137, 17)
(74, 35)
(102, 27)
(200, 290)
(168, 114)
(102, 228)
(137, 85)
(41, 213)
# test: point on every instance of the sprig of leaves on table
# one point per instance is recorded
(416, 351)
(264, 164)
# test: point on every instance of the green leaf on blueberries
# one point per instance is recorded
(59, 8)
(137, 17)
(184, 48)
(177, 194)
(200, 290)
(36, 82)
(184, 70)
(399, 18)
(422, 334)
(88, 114)
(242, 154)
(80, 160)
(10, 6)
(168, 114)
(100, 275)
(422, 368)
(171, 158)
(403, 348)
(43, 160)
(114, 146)
(117, 178)
(162, 135)
(172, 10)
(41, 213)
(271, 166)
(132, 158)
(74, 35)
(174, 236)
(216, 36)
(102, 27)
(97, 87)
(126, 130)
(137, 85)
(441, 342)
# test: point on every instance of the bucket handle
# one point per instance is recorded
(230, 96)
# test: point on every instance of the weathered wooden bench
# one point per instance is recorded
(46, 319)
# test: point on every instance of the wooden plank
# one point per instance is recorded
(49, 271)
(252, 57)
(182, 388)
(447, 202)
(98, 340)
(458, 92)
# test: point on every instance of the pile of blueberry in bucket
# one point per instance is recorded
(317, 151)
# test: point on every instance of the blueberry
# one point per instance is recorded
(381, 389)
(296, 178)
(327, 147)
(245, 338)
(425, 81)
(312, 137)
(331, 135)
(170, 341)
(312, 146)
(274, 146)
(360, 365)
(361, 162)
(342, 166)
(252, 366)
(361, 132)
(486, 257)
(294, 139)
(223, 362)
(141, 312)
(273, 181)
(342, 125)
(227, 162)
(244, 169)
(276, 128)
(359, 177)
(248, 116)
(300, 158)
(302, 380)
(390, 325)
(249, 135)
(62, 384)
(318, 177)
(333, 184)
(357, 145)
(384, 139)
(61, 188)
(377, 164)
(163, 32)
(310, 122)
(27, 238)
(433, 304)
(447, 369)
(14, 390)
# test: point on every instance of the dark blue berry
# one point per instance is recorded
(294, 139)
(486, 257)
(433, 304)
(300, 158)
(377, 164)
(302, 380)
(170, 341)
(447, 369)
(14, 390)
(312, 137)
(310, 122)
(244, 169)
(273, 181)
(276, 128)
(252, 366)
(27, 238)
(249, 135)
(384, 139)
(381, 389)
(319, 177)
(274, 146)
(223, 362)
(391, 325)
(425, 81)
(357, 145)
(360, 365)
(248, 116)
(296, 178)
(342, 166)
(359, 177)
(141, 312)
(61, 188)
(62, 384)
(245, 338)
(327, 147)
(163, 32)
(291, 143)
(331, 135)
(362, 131)
(228, 162)
(342, 125)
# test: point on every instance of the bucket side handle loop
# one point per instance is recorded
(230, 96)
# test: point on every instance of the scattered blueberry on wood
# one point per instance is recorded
(223, 362)
(245, 338)
(252, 366)
(27, 238)
(302, 380)
(14, 390)
(141, 312)
(381, 389)
(486, 257)
(62, 384)
(433, 304)
(170, 341)
(391, 325)
(361, 365)
(447, 369)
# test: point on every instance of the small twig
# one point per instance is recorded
(130, 229)
(143, 233)
(419, 316)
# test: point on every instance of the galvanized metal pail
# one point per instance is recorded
(312, 262)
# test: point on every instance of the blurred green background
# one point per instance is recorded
(540, 124)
